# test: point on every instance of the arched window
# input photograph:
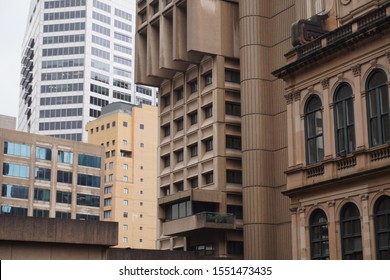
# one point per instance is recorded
(351, 233)
(314, 130)
(319, 237)
(382, 227)
(344, 120)
(378, 108)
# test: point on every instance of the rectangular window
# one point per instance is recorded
(107, 201)
(64, 197)
(100, 53)
(90, 161)
(42, 174)
(122, 37)
(100, 65)
(193, 86)
(233, 142)
(107, 190)
(16, 170)
(121, 72)
(13, 191)
(121, 84)
(86, 217)
(193, 182)
(179, 156)
(208, 178)
(40, 213)
(62, 63)
(43, 153)
(208, 143)
(166, 160)
(100, 77)
(63, 215)
(208, 79)
(208, 111)
(101, 41)
(232, 76)
(16, 149)
(166, 129)
(193, 118)
(234, 176)
(88, 180)
(41, 194)
(65, 157)
(193, 150)
(64, 177)
(233, 108)
(179, 124)
(88, 200)
(13, 211)
(107, 214)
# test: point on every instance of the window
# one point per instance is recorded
(125, 214)
(63, 215)
(179, 156)
(87, 217)
(193, 117)
(124, 142)
(125, 227)
(344, 120)
(166, 160)
(234, 176)
(315, 7)
(42, 174)
(377, 108)
(232, 76)
(351, 233)
(166, 100)
(179, 186)
(65, 157)
(125, 190)
(193, 182)
(107, 214)
(125, 240)
(64, 177)
(193, 86)
(16, 170)
(125, 166)
(41, 213)
(314, 130)
(235, 247)
(125, 124)
(13, 191)
(88, 180)
(13, 211)
(43, 153)
(233, 142)
(64, 197)
(107, 201)
(208, 143)
(208, 79)
(111, 178)
(233, 108)
(208, 178)
(88, 200)
(382, 227)
(90, 161)
(107, 190)
(166, 129)
(179, 210)
(193, 150)
(179, 124)
(319, 238)
(125, 179)
(208, 111)
(16, 149)
(41, 194)
(179, 94)
(141, 126)
(204, 249)
(125, 202)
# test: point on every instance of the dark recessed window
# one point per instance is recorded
(166, 100)
(193, 86)
(193, 117)
(319, 236)
(179, 94)
(208, 143)
(232, 76)
(208, 111)
(344, 120)
(314, 130)
(233, 108)
(179, 156)
(208, 178)
(351, 233)
(179, 124)
(208, 79)
(193, 182)
(166, 130)
(193, 150)
(234, 176)
(377, 108)
(233, 142)
(382, 227)
(166, 160)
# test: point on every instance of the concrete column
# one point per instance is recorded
(365, 220)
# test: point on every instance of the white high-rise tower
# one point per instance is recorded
(78, 56)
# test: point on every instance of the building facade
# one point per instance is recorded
(128, 134)
(222, 118)
(77, 57)
(7, 122)
(46, 177)
(337, 92)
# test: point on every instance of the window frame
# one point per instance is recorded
(313, 225)
(313, 156)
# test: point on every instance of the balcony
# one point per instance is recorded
(200, 221)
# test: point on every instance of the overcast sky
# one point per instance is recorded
(13, 18)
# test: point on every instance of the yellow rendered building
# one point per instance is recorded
(129, 135)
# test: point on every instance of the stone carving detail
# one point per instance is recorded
(297, 95)
(325, 83)
(388, 56)
(364, 197)
(289, 98)
(357, 69)
(331, 203)
(345, 2)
